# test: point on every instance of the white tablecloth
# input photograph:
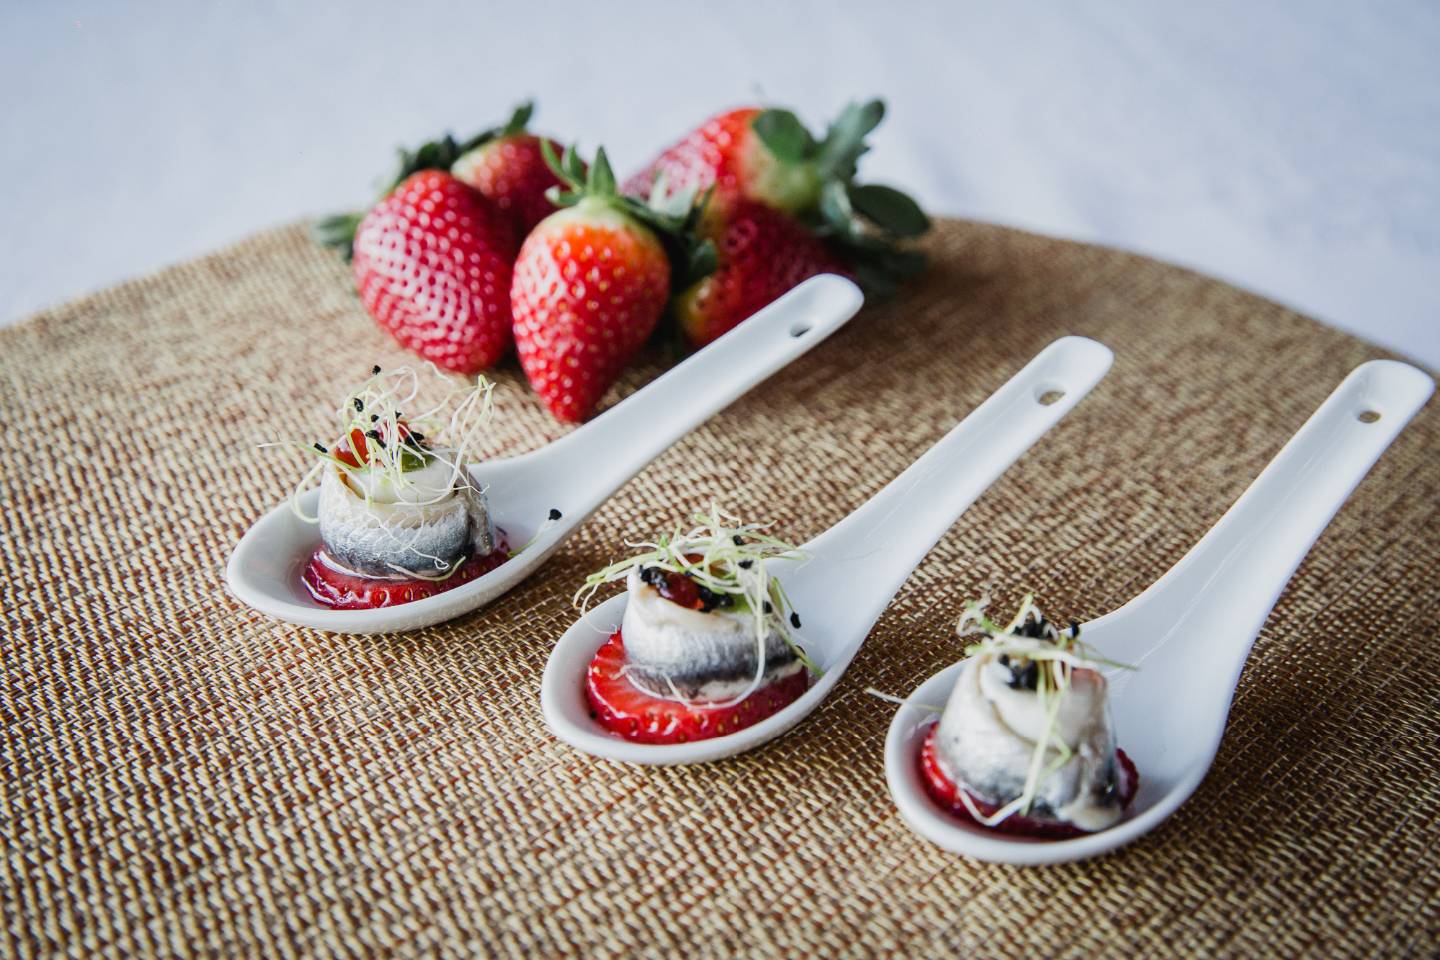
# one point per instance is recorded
(1292, 149)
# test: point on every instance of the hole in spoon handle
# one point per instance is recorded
(869, 554)
(1239, 568)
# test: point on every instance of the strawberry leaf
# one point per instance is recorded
(703, 260)
(338, 232)
(889, 209)
(784, 135)
(880, 266)
(519, 119)
(844, 142)
(601, 181)
(569, 169)
(835, 210)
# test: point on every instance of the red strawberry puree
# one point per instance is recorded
(345, 591)
(946, 793)
(625, 709)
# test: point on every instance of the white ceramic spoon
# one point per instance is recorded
(575, 474)
(1191, 632)
(855, 567)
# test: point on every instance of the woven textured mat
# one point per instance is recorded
(184, 776)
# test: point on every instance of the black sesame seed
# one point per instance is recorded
(769, 607)
(373, 434)
(654, 576)
(359, 404)
(709, 599)
(375, 369)
(1025, 677)
(321, 448)
(794, 619)
(554, 514)
(739, 540)
(1034, 629)
(374, 417)
(416, 435)
(1074, 629)
(746, 564)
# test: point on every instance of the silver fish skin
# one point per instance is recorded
(385, 539)
(705, 656)
(988, 732)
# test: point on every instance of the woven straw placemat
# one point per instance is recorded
(184, 776)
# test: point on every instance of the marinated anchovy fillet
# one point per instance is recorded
(700, 655)
(394, 506)
(705, 620)
(429, 527)
(1027, 728)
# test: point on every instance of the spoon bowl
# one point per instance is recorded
(573, 475)
(1190, 633)
(853, 570)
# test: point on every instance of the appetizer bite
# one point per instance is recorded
(1025, 744)
(705, 647)
(400, 518)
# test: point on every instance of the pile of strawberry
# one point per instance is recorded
(504, 239)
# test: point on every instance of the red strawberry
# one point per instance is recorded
(724, 153)
(345, 591)
(439, 287)
(761, 254)
(765, 155)
(508, 166)
(590, 284)
(754, 159)
(432, 265)
(625, 709)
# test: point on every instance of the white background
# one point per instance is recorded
(1293, 149)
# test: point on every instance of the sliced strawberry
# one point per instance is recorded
(946, 793)
(625, 709)
(344, 591)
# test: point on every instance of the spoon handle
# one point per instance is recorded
(1236, 572)
(591, 463)
(867, 556)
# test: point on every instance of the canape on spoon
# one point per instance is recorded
(842, 580)
(399, 516)
(1190, 633)
(539, 498)
(1025, 743)
(706, 645)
